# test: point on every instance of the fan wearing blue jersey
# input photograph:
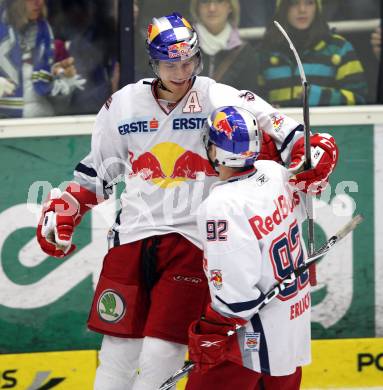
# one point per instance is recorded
(250, 227)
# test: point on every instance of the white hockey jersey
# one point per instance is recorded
(251, 231)
(161, 158)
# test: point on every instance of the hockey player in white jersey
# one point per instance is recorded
(250, 226)
(148, 134)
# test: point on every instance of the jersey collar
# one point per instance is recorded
(237, 177)
(154, 87)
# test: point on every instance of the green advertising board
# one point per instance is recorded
(44, 302)
(343, 302)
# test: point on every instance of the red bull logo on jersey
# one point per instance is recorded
(139, 126)
(168, 164)
(180, 49)
(264, 225)
(222, 124)
(252, 341)
(216, 278)
(277, 122)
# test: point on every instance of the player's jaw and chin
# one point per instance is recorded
(177, 76)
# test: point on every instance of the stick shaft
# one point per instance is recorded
(306, 122)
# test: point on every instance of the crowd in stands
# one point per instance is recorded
(227, 58)
(35, 80)
(61, 57)
(56, 63)
(336, 75)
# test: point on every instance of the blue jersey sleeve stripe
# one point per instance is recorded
(85, 170)
(263, 349)
(289, 138)
(242, 306)
(116, 241)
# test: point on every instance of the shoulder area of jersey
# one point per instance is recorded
(142, 85)
(132, 90)
(269, 171)
(205, 80)
(201, 84)
(221, 95)
(225, 192)
(219, 200)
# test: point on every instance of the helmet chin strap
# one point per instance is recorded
(213, 163)
(162, 86)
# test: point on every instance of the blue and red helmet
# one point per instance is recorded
(172, 38)
(235, 133)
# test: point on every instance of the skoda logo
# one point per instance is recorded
(111, 306)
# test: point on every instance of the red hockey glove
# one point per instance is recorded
(61, 213)
(208, 339)
(268, 149)
(324, 156)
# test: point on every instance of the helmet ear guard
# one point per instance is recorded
(172, 38)
(235, 133)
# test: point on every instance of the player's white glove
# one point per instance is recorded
(61, 213)
(56, 226)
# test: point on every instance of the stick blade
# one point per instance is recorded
(349, 226)
(188, 366)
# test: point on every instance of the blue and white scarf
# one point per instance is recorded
(11, 65)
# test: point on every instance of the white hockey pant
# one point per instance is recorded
(120, 360)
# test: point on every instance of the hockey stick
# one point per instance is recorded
(188, 366)
(314, 258)
(271, 294)
(307, 165)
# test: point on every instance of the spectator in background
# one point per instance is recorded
(335, 74)
(227, 59)
(89, 32)
(29, 64)
(8, 71)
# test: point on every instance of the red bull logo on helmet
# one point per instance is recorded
(222, 124)
(153, 32)
(248, 154)
(216, 278)
(180, 49)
